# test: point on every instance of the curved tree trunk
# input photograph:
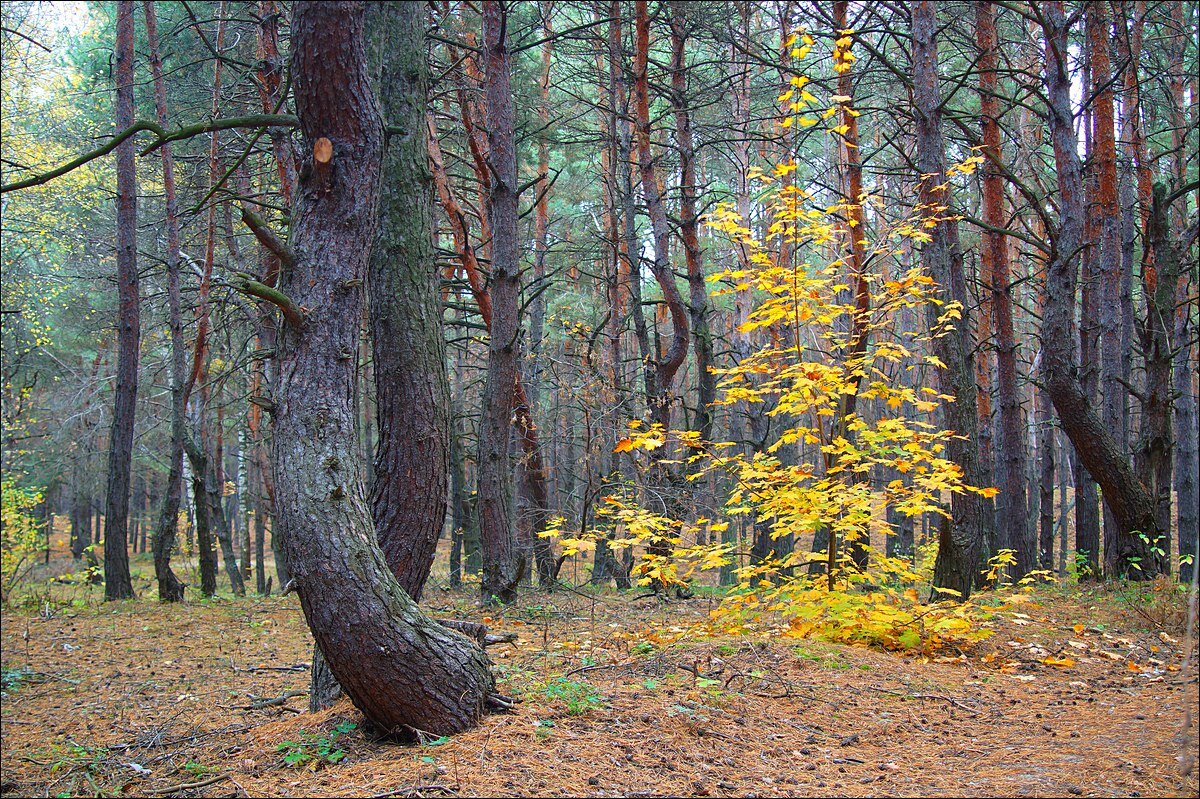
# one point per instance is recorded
(1132, 505)
(117, 583)
(668, 365)
(402, 669)
(412, 391)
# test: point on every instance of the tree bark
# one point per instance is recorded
(503, 563)
(403, 670)
(689, 224)
(966, 530)
(412, 391)
(1106, 219)
(1014, 530)
(1132, 505)
(666, 367)
(170, 589)
(117, 583)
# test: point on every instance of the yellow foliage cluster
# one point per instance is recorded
(21, 534)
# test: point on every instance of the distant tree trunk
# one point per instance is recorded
(412, 391)
(458, 490)
(270, 74)
(541, 207)
(1132, 505)
(117, 583)
(1014, 531)
(963, 533)
(1046, 465)
(170, 589)
(1187, 451)
(405, 671)
(206, 488)
(666, 367)
(689, 223)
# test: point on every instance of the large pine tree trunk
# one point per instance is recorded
(1132, 505)
(402, 669)
(965, 531)
(117, 583)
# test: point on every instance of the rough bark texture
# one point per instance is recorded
(169, 587)
(117, 583)
(1187, 451)
(1106, 220)
(1014, 530)
(503, 564)
(961, 535)
(403, 670)
(412, 391)
(1132, 505)
(1140, 555)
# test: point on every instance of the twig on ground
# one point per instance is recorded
(593, 667)
(414, 790)
(187, 786)
(258, 703)
(906, 694)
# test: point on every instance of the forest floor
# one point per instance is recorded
(619, 697)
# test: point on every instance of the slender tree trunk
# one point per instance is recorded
(503, 564)
(965, 531)
(541, 223)
(1187, 451)
(1046, 465)
(169, 587)
(689, 224)
(1014, 530)
(666, 367)
(117, 583)
(1106, 219)
(402, 669)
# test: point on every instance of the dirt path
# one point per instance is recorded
(618, 699)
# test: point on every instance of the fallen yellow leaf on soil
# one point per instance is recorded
(1065, 663)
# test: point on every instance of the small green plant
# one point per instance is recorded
(11, 679)
(196, 769)
(315, 750)
(579, 697)
(1081, 568)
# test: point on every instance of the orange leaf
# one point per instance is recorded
(1065, 663)
(624, 445)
